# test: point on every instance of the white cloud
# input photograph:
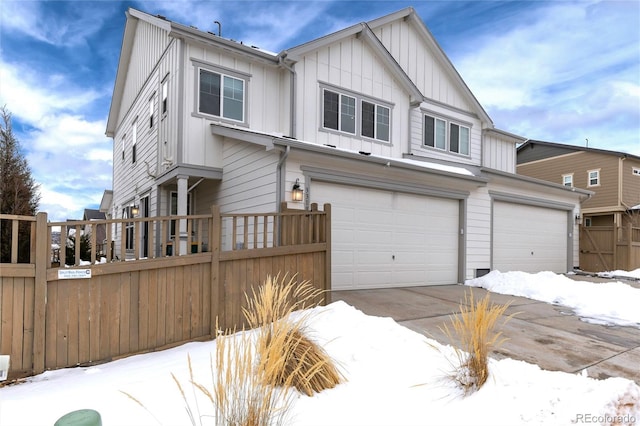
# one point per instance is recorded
(561, 72)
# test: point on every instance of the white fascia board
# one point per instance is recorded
(502, 133)
(296, 53)
(123, 65)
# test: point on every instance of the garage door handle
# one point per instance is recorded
(393, 257)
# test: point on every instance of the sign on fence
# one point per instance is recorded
(72, 274)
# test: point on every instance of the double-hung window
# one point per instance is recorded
(341, 111)
(457, 139)
(151, 111)
(165, 96)
(128, 227)
(567, 180)
(221, 95)
(593, 178)
(134, 139)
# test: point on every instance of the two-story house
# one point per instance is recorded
(373, 119)
(614, 178)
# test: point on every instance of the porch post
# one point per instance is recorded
(182, 211)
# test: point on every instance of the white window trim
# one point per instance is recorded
(570, 176)
(223, 71)
(134, 140)
(589, 184)
(635, 171)
(152, 110)
(164, 103)
(359, 98)
(447, 128)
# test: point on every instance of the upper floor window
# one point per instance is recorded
(221, 95)
(151, 104)
(165, 95)
(435, 135)
(635, 171)
(567, 180)
(124, 144)
(134, 139)
(594, 178)
(375, 121)
(340, 112)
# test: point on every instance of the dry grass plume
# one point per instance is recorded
(474, 327)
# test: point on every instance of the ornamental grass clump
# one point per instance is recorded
(286, 355)
(474, 327)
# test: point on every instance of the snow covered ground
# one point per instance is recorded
(394, 375)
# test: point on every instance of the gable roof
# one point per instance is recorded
(411, 16)
(364, 30)
(555, 149)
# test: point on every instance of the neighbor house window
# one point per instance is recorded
(587, 221)
(435, 135)
(567, 180)
(221, 95)
(636, 171)
(165, 94)
(375, 121)
(134, 139)
(594, 178)
(173, 211)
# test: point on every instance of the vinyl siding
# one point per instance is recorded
(579, 163)
(630, 183)
(498, 154)
(350, 66)
(419, 62)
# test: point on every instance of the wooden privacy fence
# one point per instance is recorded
(118, 302)
(609, 248)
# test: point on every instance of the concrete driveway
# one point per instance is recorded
(547, 335)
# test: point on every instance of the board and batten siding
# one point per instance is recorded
(149, 45)
(498, 154)
(264, 94)
(349, 67)
(478, 232)
(415, 57)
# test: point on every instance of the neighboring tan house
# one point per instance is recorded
(373, 119)
(614, 177)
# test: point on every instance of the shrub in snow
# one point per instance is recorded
(474, 329)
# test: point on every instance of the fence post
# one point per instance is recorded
(628, 266)
(216, 288)
(40, 294)
(327, 255)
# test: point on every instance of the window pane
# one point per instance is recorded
(464, 140)
(454, 138)
(428, 130)
(382, 123)
(330, 110)
(209, 93)
(348, 114)
(233, 98)
(368, 119)
(441, 134)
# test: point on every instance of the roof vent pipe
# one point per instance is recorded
(219, 28)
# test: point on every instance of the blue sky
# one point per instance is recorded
(559, 71)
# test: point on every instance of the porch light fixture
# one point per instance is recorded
(578, 219)
(135, 210)
(296, 191)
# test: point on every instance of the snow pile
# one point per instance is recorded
(394, 377)
(612, 303)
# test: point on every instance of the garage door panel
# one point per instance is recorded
(529, 238)
(396, 239)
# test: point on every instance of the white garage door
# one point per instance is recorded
(529, 238)
(389, 239)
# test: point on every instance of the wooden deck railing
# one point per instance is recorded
(52, 318)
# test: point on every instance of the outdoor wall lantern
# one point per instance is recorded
(296, 191)
(135, 210)
(578, 220)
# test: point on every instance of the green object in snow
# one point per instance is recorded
(80, 418)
